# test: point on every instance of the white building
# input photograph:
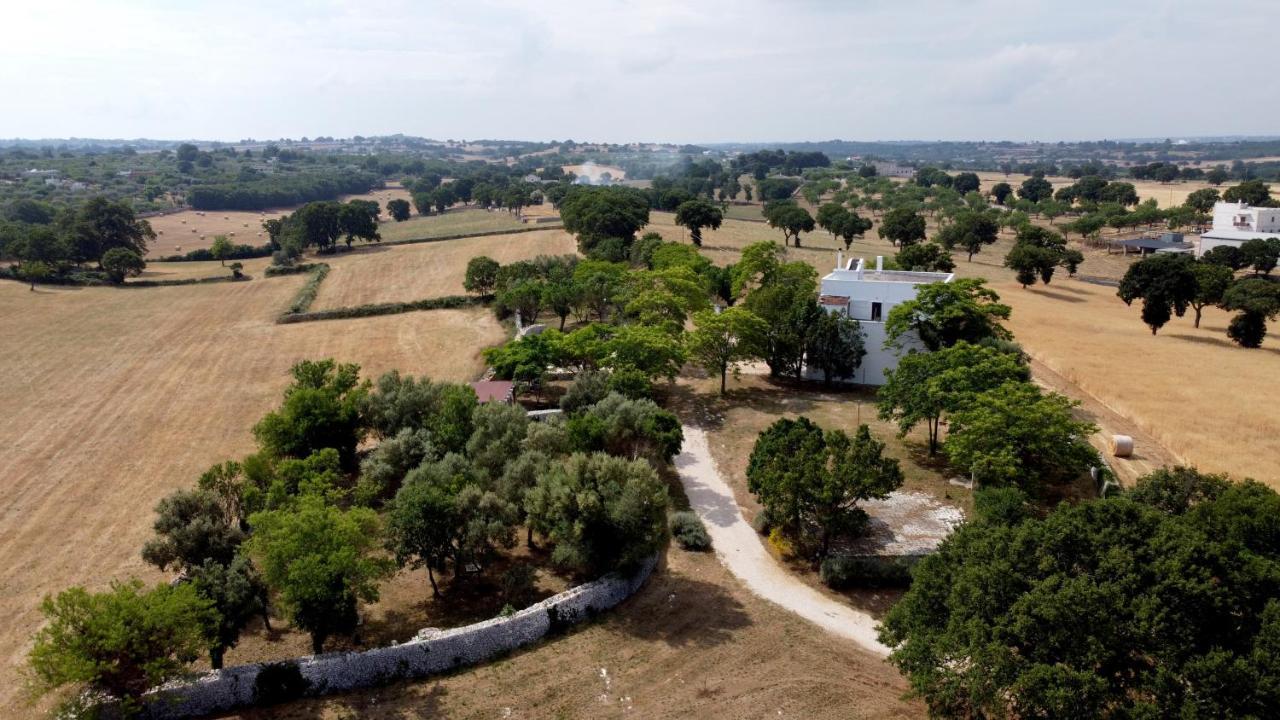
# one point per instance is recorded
(867, 296)
(1236, 222)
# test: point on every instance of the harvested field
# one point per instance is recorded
(692, 643)
(113, 398)
(455, 222)
(181, 232)
(412, 272)
(1165, 194)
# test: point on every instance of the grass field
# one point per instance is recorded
(188, 230)
(454, 222)
(413, 272)
(113, 398)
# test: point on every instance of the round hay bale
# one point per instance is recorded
(1121, 445)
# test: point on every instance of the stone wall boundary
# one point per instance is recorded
(427, 654)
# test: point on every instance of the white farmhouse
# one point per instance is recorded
(1236, 222)
(867, 296)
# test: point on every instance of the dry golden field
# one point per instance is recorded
(188, 230)
(412, 272)
(1166, 194)
(1187, 389)
(112, 398)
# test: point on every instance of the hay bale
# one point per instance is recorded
(1121, 446)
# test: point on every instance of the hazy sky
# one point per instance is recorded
(698, 70)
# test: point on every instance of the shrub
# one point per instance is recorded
(518, 585)
(307, 293)
(689, 532)
(278, 683)
(845, 571)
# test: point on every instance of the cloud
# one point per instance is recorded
(617, 70)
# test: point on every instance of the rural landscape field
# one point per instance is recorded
(352, 372)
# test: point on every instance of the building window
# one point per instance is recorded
(875, 312)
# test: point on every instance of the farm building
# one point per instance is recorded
(867, 296)
(1234, 223)
(1165, 243)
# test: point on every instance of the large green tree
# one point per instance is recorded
(902, 227)
(1212, 281)
(121, 642)
(1014, 434)
(790, 218)
(1166, 284)
(810, 481)
(697, 214)
(969, 231)
(600, 214)
(719, 341)
(1255, 301)
(944, 313)
(925, 386)
(321, 561)
(600, 513)
(1162, 604)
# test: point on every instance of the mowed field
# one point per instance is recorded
(398, 273)
(1207, 401)
(113, 398)
(181, 232)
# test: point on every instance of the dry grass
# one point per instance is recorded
(1165, 194)
(691, 643)
(412, 272)
(111, 399)
(188, 230)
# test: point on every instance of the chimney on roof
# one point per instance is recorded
(859, 269)
(879, 263)
(839, 260)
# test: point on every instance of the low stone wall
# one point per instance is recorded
(239, 687)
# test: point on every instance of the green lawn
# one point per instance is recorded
(744, 212)
(455, 222)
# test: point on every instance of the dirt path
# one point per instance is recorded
(738, 547)
(1148, 455)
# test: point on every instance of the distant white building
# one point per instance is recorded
(1236, 222)
(893, 170)
(867, 296)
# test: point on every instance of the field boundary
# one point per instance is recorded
(6, 274)
(446, 302)
(464, 236)
(307, 293)
(428, 653)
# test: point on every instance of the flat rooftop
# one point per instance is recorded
(902, 276)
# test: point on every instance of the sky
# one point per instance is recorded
(648, 70)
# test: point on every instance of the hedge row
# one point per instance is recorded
(278, 270)
(464, 236)
(448, 302)
(238, 252)
(844, 571)
(94, 278)
(307, 293)
(186, 281)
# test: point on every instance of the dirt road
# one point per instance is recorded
(738, 547)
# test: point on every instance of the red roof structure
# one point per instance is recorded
(495, 391)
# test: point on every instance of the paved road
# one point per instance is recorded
(740, 549)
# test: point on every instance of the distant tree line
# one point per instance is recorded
(281, 192)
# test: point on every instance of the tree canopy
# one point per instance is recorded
(1161, 603)
(944, 313)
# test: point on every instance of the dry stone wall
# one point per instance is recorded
(429, 653)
